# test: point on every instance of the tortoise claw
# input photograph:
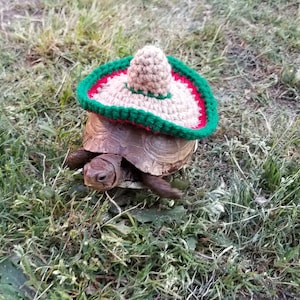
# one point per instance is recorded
(161, 187)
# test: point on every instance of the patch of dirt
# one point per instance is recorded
(259, 80)
(11, 11)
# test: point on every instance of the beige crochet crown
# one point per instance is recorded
(150, 72)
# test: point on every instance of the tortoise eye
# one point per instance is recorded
(101, 177)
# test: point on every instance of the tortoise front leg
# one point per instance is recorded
(160, 186)
(79, 158)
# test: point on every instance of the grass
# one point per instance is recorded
(234, 235)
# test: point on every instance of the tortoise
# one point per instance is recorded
(118, 154)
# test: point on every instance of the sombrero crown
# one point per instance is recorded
(151, 90)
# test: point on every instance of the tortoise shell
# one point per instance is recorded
(156, 154)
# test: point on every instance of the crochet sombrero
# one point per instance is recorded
(157, 92)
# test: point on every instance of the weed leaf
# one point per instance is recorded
(153, 215)
(12, 282)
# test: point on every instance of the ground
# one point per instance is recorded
(235, 233)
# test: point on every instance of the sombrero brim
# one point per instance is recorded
(203, 97)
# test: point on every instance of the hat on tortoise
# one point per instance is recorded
(154, 91)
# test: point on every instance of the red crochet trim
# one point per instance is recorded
(94, 89)
(200, 101)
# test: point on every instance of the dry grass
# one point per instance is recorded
(234, 235)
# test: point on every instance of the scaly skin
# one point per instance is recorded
(103, 172)
(79, 158)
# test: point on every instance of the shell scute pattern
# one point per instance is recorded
(157, 154)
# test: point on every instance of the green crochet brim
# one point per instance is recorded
(144, 118)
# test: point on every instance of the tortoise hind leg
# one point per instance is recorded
(160, 187)
(78, 158)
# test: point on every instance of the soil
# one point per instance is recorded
(11, 11)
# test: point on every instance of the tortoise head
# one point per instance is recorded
(103, 172)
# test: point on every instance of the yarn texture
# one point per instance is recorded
(150, 71)
(157, 92)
